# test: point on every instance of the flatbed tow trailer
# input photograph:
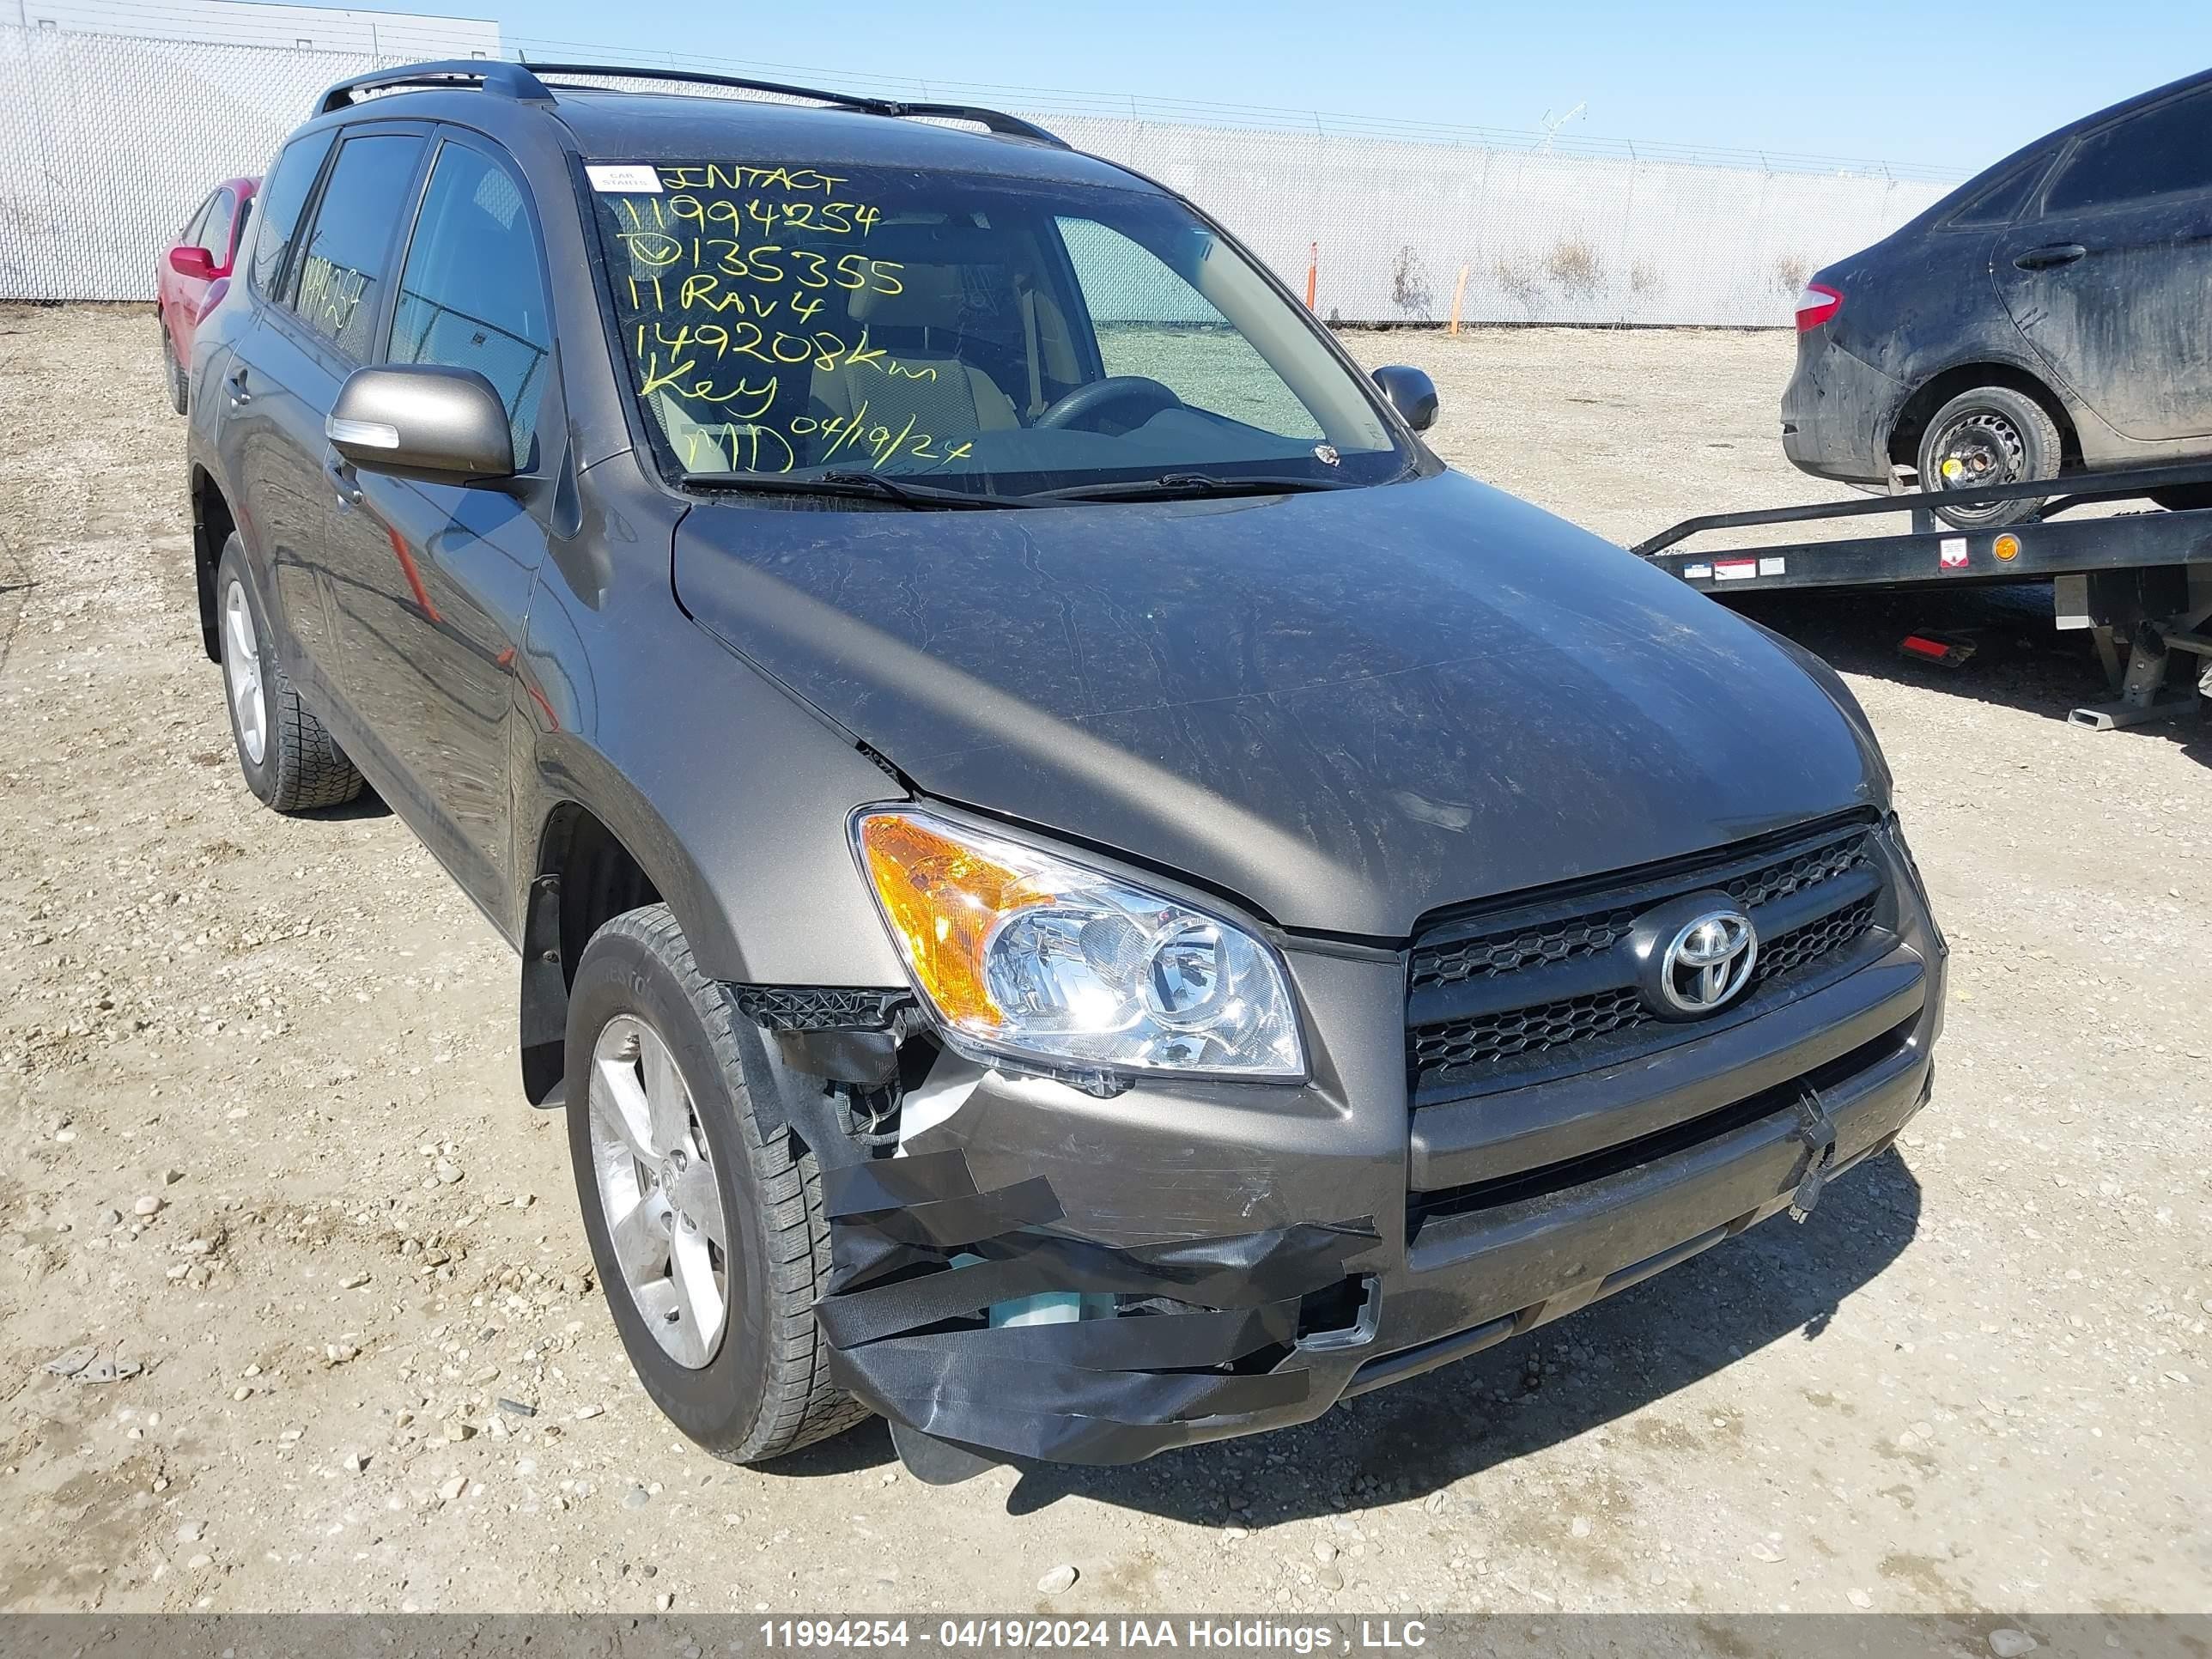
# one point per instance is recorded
(2143, 579)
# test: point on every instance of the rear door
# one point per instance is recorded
(325, 318)
(259, 420)
(432, 580)
(2111, 281)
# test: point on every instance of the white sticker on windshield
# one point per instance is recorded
(624, 181)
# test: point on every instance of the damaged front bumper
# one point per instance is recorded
(1266, 1252)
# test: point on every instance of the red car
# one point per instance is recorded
(193, 274)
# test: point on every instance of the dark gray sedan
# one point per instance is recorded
(2048, 315)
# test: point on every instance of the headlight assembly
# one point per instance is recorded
(1023, 955)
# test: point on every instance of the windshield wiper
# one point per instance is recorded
(921, 498)
(1171, 486)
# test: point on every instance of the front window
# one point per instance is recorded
(994, 336)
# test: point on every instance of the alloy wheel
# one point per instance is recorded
(241, 669)
(658, 1192)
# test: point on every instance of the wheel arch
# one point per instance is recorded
(1903, 443)
(750, 912)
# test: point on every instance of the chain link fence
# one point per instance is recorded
(107, 141)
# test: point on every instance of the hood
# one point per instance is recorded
(1346, 708)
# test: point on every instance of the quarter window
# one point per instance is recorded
(2161, 152)
(471, 295)
(2000, 204)
(289, 181)
(343, 269)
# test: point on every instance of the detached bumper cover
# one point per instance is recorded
(1271, 1252)
(900, 1317)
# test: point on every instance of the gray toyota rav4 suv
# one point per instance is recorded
(1077, 888)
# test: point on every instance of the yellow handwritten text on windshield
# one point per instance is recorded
(738, 314)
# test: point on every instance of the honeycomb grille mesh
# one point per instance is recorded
(1808, 943)
(1465, 1043)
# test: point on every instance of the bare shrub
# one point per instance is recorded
(1409, 284)
(1522, 283)
(1575, 266)
(1644, 278)
(1791, 272)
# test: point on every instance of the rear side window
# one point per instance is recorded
(2164, 151)
(289, 181)
(471, 294)
(347, 257)
(2000, 204)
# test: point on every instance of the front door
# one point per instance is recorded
(433, 581)
(2111, 280)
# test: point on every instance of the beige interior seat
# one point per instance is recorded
(946, 397)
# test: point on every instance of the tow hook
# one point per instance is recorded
(1817, 1131)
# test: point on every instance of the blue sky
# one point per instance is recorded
(1854, 78)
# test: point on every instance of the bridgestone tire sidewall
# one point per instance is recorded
(719, 1404)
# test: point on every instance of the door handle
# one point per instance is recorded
(2044, 258)
(240, 396)
(340, 473)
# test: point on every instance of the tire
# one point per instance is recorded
(180, 386)
(758, 1386)
(1989, 435)
(299, 768)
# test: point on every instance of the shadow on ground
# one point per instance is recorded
(2021, 659)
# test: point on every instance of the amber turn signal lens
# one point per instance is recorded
(2006, 546)
(943, 898)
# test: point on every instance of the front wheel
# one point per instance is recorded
(707, 1237)
(1989, 435)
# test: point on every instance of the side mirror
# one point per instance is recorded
(192, 261)
(1411, 393)
(421, 421)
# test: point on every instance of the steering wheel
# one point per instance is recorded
(1140, 397)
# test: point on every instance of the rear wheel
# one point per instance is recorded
(172, 372)
(290, 763)
(707, 1237)
(1989, 435)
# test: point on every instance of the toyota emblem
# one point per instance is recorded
(1708, 961)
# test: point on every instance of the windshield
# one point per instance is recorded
(991, 337)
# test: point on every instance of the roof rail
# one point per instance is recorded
(492, 73)
(994, 120)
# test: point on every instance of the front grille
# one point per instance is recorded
(1544, 987)
(1488, 956)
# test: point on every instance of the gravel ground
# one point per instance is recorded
(273, 1170)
